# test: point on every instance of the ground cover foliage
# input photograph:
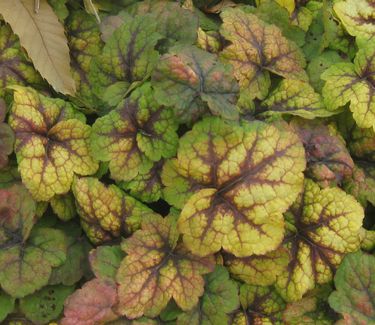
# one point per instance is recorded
(187, 162)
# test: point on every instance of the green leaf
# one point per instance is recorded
(188, 79)
(6, 137)
(60, 9)
(43, 37)
(127, 57)
(92, 304)
(323, 226)
(52, 143)
(7, 304)
(134, 135)
(355, 289)
(105, 261)
(220, 298)
(105, 211)
(354, 83)
(248, 176)
(46, 304)
(257, 49)
(63, 206)
(158, 268)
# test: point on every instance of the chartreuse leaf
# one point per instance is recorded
(323, 226)
(355, 289)
(367, 239)
(259, 305)
(220, 298)
(7, 304)
(328, 160)
(127, 59)
(295, 97)
(27, 255)
(257, 49)
(52, 143)
(158, 268)
(354, 83)
(45, 305)
(249, 176)
(92, 304)
(16, 69)
(134, 135)
(105, 261)
(85, 44)
(209, 41)
(312, 309)
(358, 18)
(43, 37)
(63, 206)
(6, 137)
(188, 79)
(106, 212)
(258, 269)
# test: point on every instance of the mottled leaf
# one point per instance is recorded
(105, 211)
(354, 83)
(355, 289)
(134, 135)
(188, 79)
(323, 226)
(85, 306)
(250, 175)
(210, 41)
(6, 137)
(105, 261)
(63, 206)
(45, 305)
(158, 268)
(52, 143)
(257, 49)
(7, 304)
(220, 298)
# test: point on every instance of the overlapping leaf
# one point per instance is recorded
(248, 176)
(134, 135)
(52, 143)
(328, 160)
(63, 206)
(323, 226)
(188, 79)
(257, 49)
(355, 289)
(27, 255)
(105, 261)
(106, 212)
(354, 83)
(6, 137)
(7, 305)
(158, 268)
(127, 59)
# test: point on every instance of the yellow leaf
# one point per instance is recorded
(43, 37)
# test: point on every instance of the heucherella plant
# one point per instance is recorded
(200, 163)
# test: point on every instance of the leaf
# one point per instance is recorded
(60, 9)
(105, 261)
(258, 269)
(257, 49)
(158, 268)
(249, 175)
(328, 160)
(134, 135)
(91, 9)
(367, 239)
(63, 206)
(85, 45)
(6, 137)
(323, 226)
(295, 97)
(76, 263)
(127, 59)
(354, 83)
(220, 298)
(210, 41)
(188, 78)
(46, 304)
(7, 304)
(16, 69)
(42, 35)
(105, 211)
(26, 255)
(52, 143)
(355, 290)
(86, 306)
(259, 305)
(357, 17)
